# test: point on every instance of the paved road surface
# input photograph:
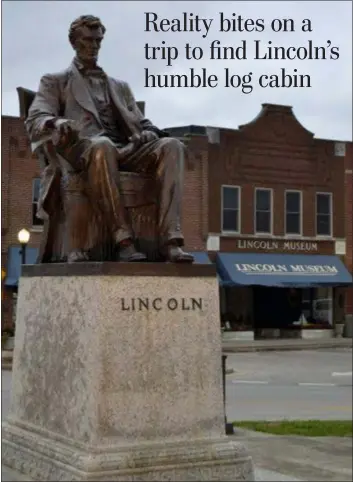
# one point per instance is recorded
(293, 385)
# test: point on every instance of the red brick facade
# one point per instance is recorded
(195, 197)
(274, 151)
(18, 169)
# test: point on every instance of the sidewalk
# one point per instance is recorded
(232, 346)
(299, 458)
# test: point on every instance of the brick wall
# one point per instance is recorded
(19, 169)
(275, 151)
(195, 196)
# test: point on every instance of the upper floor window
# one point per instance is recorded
(293, 212)
(231, 208)
(263, 211)
(35, 197)
(324, 214)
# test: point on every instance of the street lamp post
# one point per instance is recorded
(23, 237)
(228, 426)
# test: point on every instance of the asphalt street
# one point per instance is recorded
(291, 385)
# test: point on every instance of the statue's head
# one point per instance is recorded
(86, 34)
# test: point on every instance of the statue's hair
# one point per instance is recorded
(84, 21)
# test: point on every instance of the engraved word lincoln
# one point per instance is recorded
(111, 179)
(157, 304)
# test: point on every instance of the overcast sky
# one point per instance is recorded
(34, 42)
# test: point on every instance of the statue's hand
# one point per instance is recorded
(143, 138)
(65, 133)
(148, 136)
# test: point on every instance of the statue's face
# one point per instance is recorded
(87, 43)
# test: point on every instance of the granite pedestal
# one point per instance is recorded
(117, 376)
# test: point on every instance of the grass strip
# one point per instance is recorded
(308, 428)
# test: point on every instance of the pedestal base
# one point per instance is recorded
(117, 376)
(46, 458)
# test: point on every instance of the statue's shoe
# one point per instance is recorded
(128, 254)
(77, 257)
(176, 255)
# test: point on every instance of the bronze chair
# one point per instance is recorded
(139, 194)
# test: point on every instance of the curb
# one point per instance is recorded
(229, 347)
(249, 349)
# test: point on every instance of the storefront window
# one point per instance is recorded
(238, 315)
(244, 309)
(317, 307)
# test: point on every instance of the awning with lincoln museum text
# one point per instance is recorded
(282, 270)
(201, 257)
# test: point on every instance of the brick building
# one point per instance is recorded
(278, 215)
(276, 199)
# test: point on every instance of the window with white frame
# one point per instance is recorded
(293, 212)
(231, 208)
(263, 211)
(35, 197)
(323, 214)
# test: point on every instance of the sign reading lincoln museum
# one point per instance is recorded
(277, 245)
(291, 269)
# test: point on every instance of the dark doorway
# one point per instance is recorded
(276, 307)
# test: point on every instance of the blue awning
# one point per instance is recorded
(201, 257)
(283, 270)
(14, 263)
